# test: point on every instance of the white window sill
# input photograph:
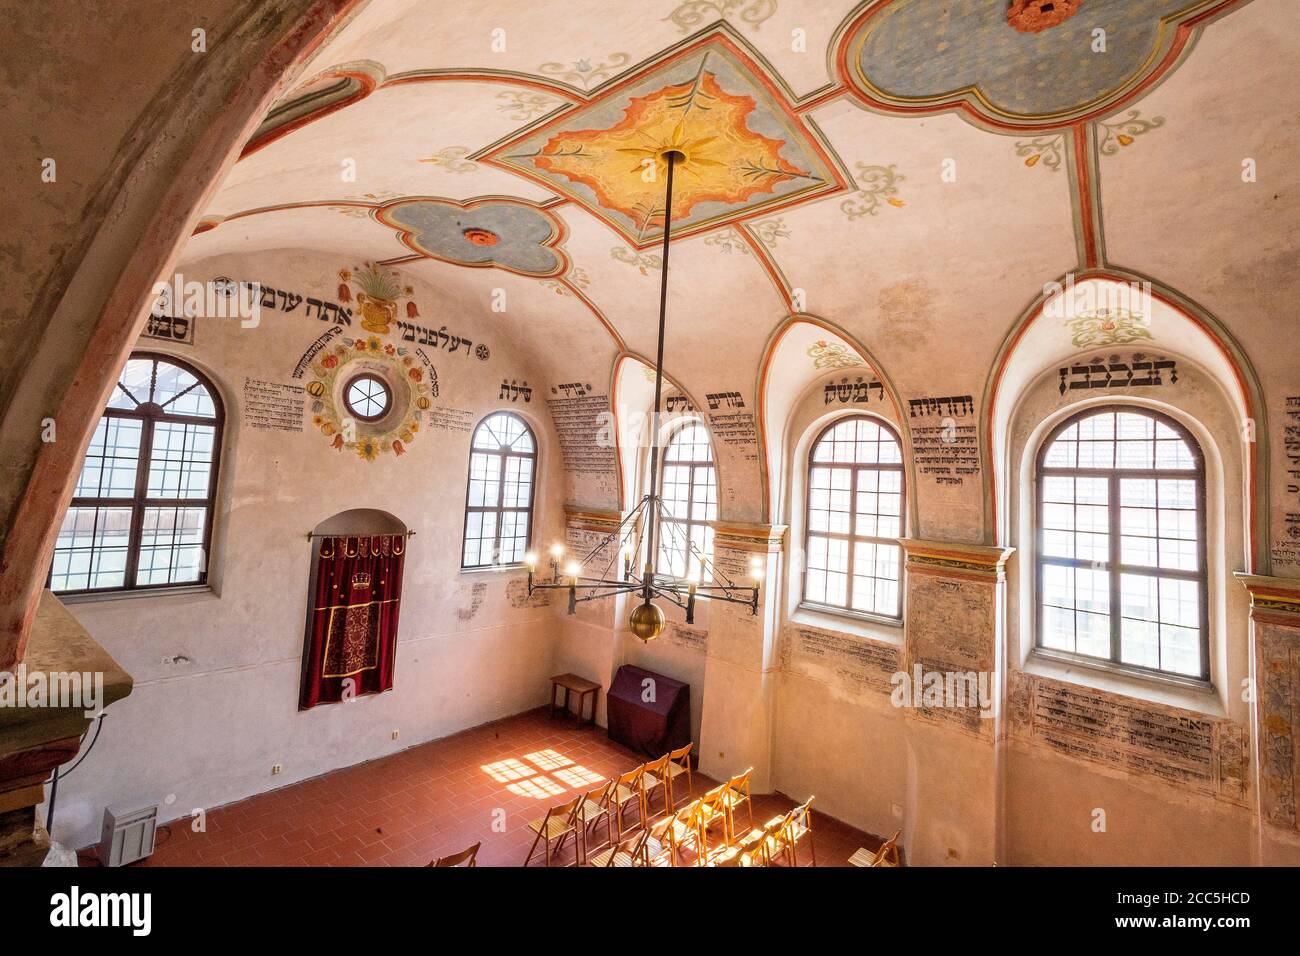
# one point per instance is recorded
(1201, 698)
(497, 569)
(96, 597)
(883, 630)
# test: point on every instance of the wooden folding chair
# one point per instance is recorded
(630, 852)
(660, 849)
(685, 830)
(797, 828)
(656, 778)
(887, 855)
(679, 762)
(464, 857)
(594, 808)
(712, 807)
(627, 789)
(736, 856)
(736, 795)
(558, 824)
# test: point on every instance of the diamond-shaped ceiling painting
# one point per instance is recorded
(744, 149)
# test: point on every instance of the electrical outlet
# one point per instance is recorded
(394, 734)
(275, 768)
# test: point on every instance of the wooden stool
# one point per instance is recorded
(580, 686)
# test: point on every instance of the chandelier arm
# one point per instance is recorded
(616, 533)
(611, 593)
(709, 566)
(669, 596)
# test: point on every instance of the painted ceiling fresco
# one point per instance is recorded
(919, 52)
(504, 233)
(744, 150)
(995, 153)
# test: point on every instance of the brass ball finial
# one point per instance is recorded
(646, 621)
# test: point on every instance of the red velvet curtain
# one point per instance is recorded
(352, 640)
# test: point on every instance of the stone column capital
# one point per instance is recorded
(754, 537)
(587, 518)
(1272, 600)
(974, 562)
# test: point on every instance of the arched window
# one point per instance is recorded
(1121, 542)
(141, 515)
(853, 561)
(499, 502)
(688, 488)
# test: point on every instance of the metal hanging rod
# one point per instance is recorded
(356, 534)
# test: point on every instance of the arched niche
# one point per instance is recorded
(1066, 328)
(354, 522)
(802, 355)
(360, 521)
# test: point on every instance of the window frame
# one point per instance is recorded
(1115, 568)
(847, 610)
(499, 509)
(383, 385)
(688, 522)
(140, 501)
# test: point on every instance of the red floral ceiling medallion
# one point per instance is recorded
(1035, 16)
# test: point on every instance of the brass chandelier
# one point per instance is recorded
(580, 574)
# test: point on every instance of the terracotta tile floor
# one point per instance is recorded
(436, 799)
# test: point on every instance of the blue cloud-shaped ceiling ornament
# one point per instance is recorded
(504, 233)
(1015, 62)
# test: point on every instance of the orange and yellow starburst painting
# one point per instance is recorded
(741, 149)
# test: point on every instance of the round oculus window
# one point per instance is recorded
(368, 397)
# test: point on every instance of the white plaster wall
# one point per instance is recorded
(217, 673)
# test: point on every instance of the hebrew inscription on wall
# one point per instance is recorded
(169, 328)
(477, 592)
(1182, 748)
(271, 406)
(1278, 656)
(733, 428)
(1286, 550)
(859, 391)
(950, 628)
(854, 663)
(1139, 371)
(578, 419)
(732, 565)
(287, 302)
(451, 419)
(687, 636)
(944, 448)
(517, 594)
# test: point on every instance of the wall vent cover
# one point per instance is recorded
(127, 835)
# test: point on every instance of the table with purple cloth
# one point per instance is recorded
(654, 726)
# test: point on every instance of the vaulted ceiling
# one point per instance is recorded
(911, 170)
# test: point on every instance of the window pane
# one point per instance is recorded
(180, 465)
(1159, 527)
(109, 468)
(851, 507)
(499, 496)
(171, 545)
(139, 455)
(133, 388)
(91, 549)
